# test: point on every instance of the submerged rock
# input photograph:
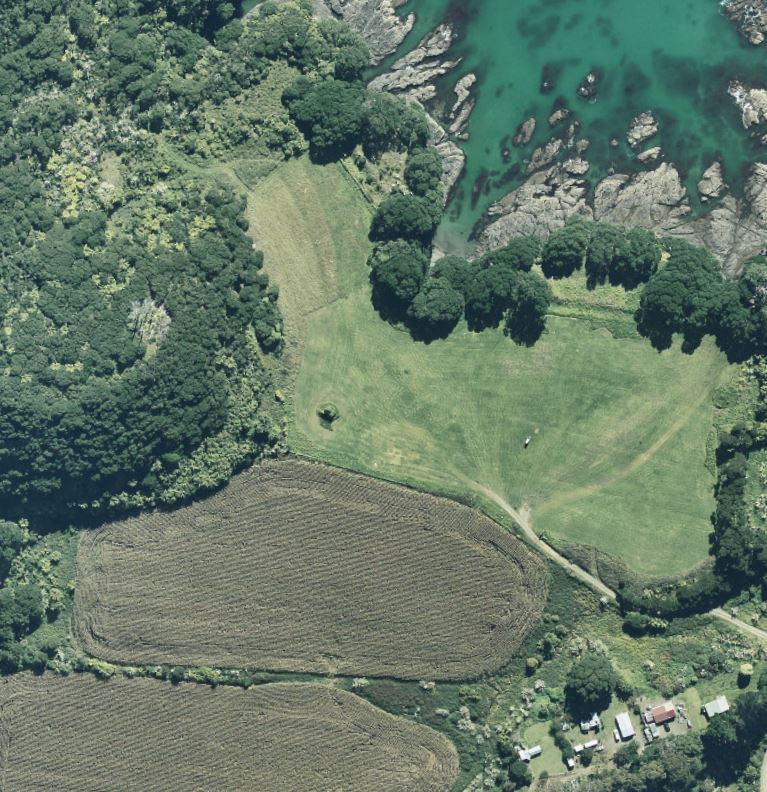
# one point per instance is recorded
(376, 21)
(711, 184)
(643, 127)
(589, 86)
(525, 132)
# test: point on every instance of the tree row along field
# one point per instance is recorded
(300, 567)
(143, 735)
(610, 418)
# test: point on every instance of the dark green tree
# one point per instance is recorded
(526, 317)
(410, 217)
(436, 309)
(391, 124)
(398, 269)
(423, 171)
(329, 113)
(565, 250)
(635, 259)
(590, 684)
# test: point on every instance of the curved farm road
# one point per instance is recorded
(756, 632)
(522, 518)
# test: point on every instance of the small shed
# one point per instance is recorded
(663, 713)
(591, 744)
(570, 762)
(716, 707)
(625, 727)
(578, 749)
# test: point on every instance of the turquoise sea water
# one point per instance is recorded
(672, 57)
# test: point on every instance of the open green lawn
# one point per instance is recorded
(619, 430)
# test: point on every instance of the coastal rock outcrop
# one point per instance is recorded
(545, 155)
(733, 230)
(643, 127)
(539, 206)
(463, 105)
(751, 101)
(711, 184)
(453, 158)
(415, 73)
(524, 132)
(750, 17)
(650, 155)
(376, 21)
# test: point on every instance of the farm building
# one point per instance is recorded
(526, 754)
(625, 727)
(593, 723)
(591, 744)
(570, 762)
(716, 707)
(661, 714)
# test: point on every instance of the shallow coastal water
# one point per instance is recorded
(672, 57)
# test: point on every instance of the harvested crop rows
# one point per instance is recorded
(75, 733)
(297, 566)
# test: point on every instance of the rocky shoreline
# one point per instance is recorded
(749, 16)
(554, 190)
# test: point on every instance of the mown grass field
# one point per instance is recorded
(75, 733)
(619, 431)
(301, 567)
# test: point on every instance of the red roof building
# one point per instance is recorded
(663, 713)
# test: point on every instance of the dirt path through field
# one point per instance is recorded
(523, 520)
(722, 614)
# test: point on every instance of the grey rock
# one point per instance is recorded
(751, 101)
(524, 133)
(750, 17)
(464, 104)
(453, 158)
(420, 67)
(655, 199)
(650, 155)
(643, 127)
(733, 230)
(576, 167)
(558, 115)
(539, 206)
(376, 21)
(545, 155)
(711, 184)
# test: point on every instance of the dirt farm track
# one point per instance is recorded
(77, 733)
(300, 567)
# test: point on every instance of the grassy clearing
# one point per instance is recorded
(140, 734)
(250, 578)
(619, 431)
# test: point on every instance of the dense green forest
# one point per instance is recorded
(136, 317)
